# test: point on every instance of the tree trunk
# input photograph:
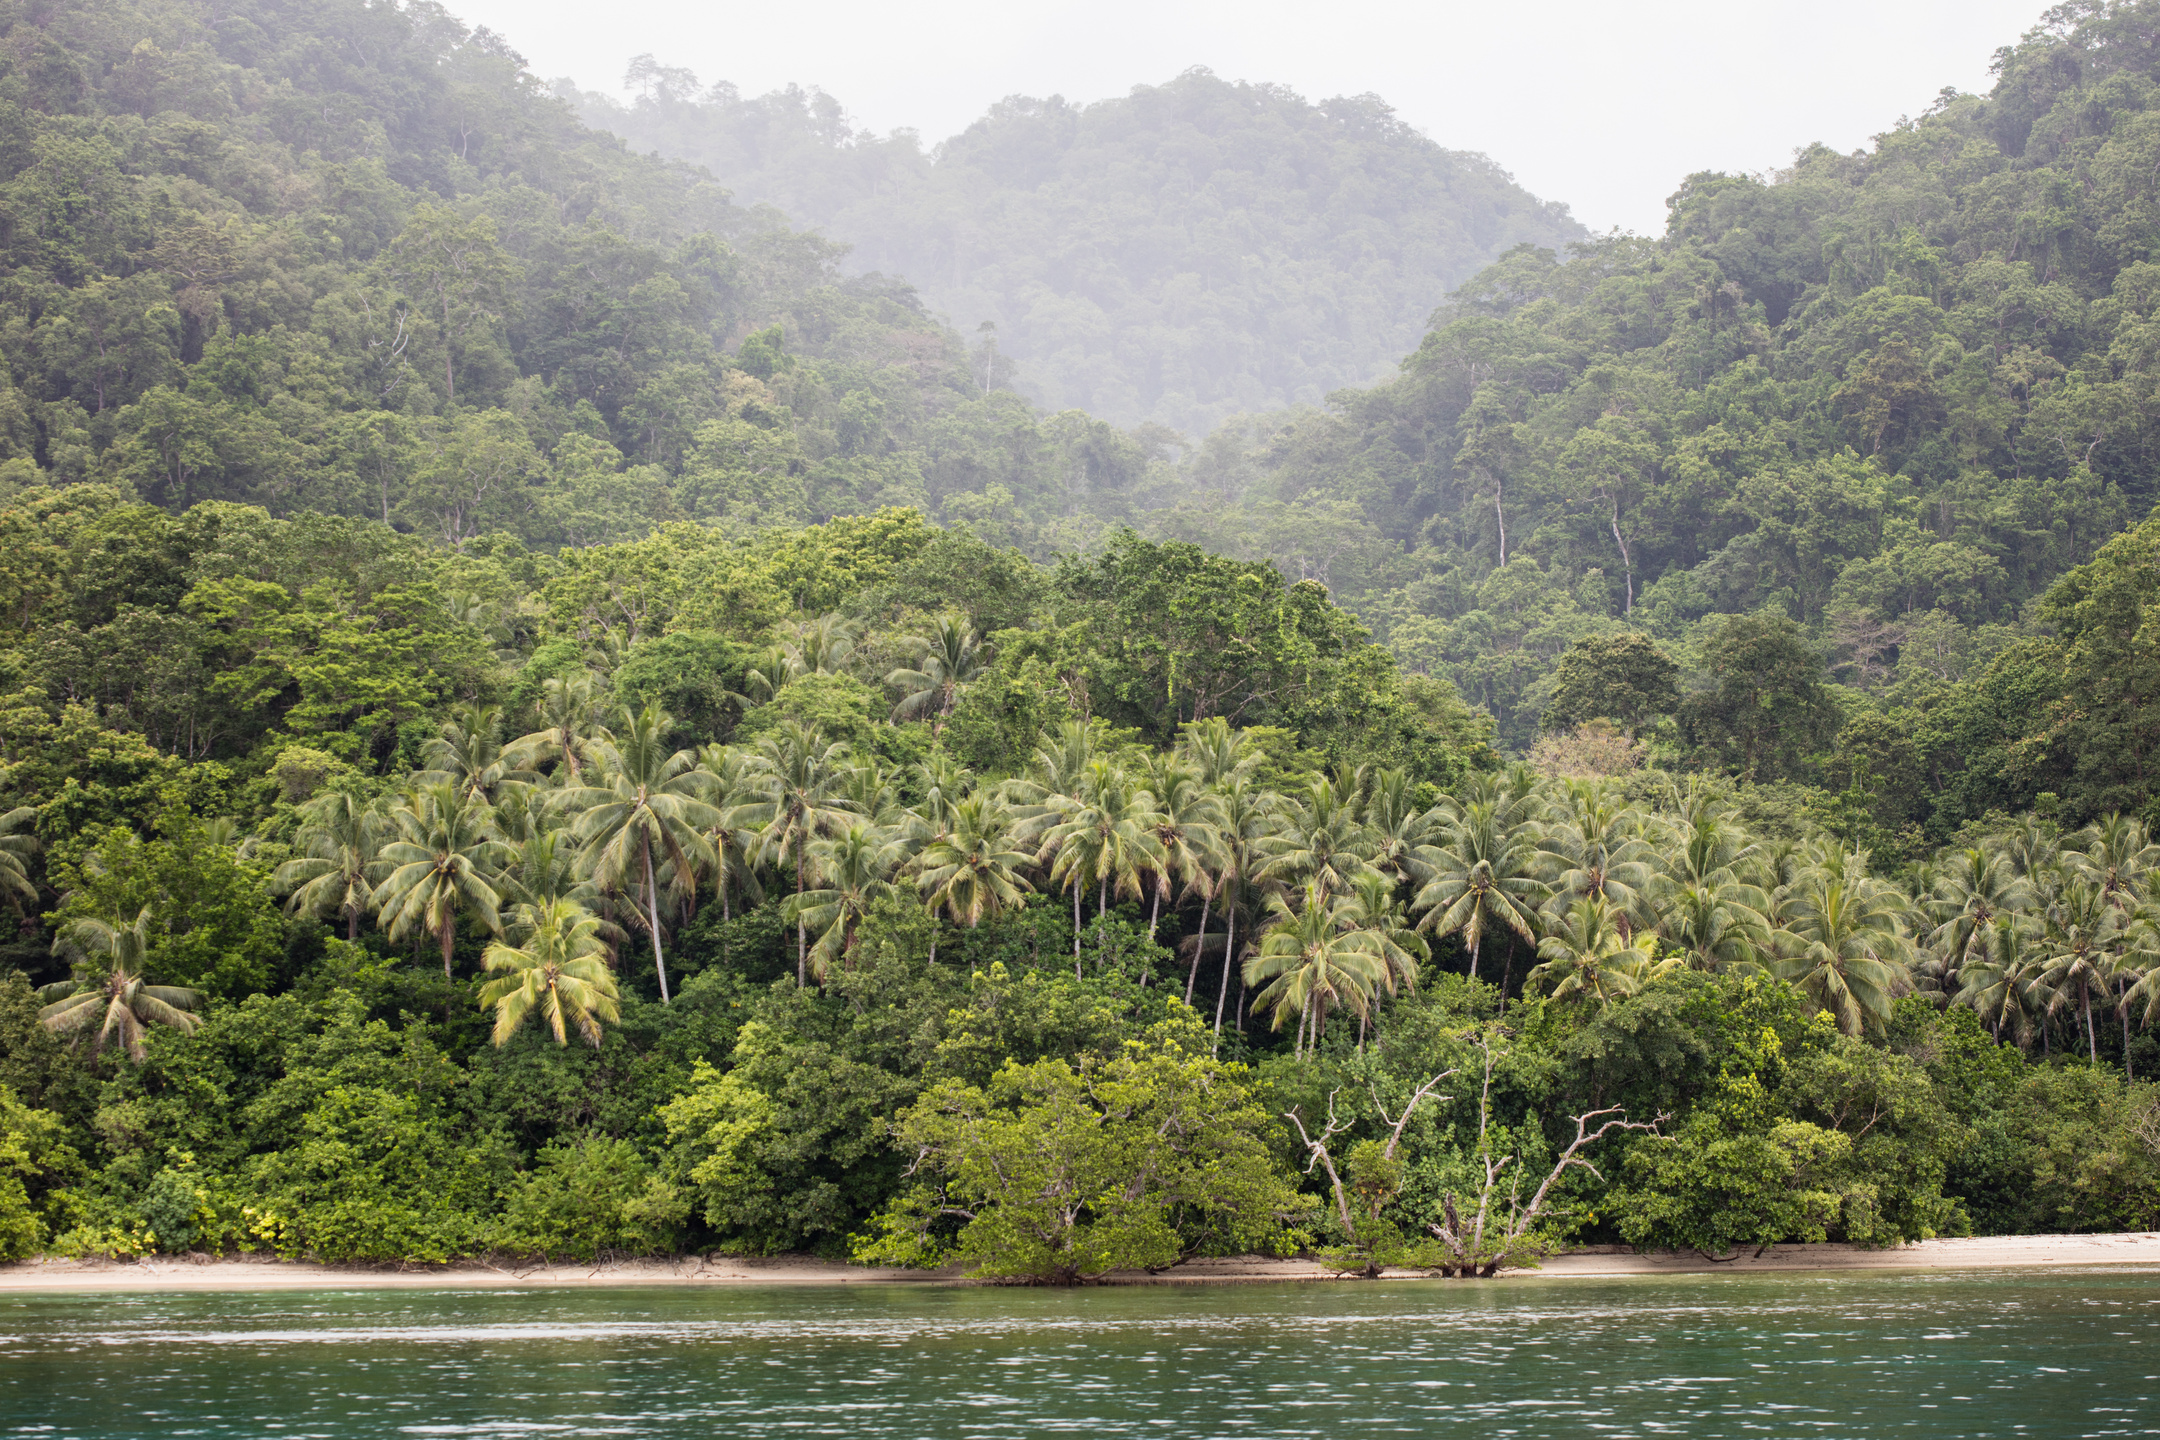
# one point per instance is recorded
(449, 943)
(2092, 1040)
(652, 918)
(802, 932)
(1155, 909)
(1474, 944)
(1076, 925)
(1626, 560)
(1192, 976)
(1229, 952)
(352, 925)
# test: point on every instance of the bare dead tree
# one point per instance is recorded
(1467, 1248)
(1318, 1153)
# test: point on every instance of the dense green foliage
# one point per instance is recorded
(453, 802)
(1187, 253)
(676, 916)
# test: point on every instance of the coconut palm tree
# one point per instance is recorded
(2116, 854)
(1715, 925)
(1318, 839)
(17, 844)
(341, 841)
(443, 865)
(1219, 753)
(648, 807)
(765, 677)
(852, 870)
(798, 782)
(561, 971)
(2001, 980)
(1381, 917)
(1589, 956)
(569, 726)
(1103, 835)
(2036, 857)
(108, 989)
(1314, 958)
(1847, 949)
(1596, 848)
(1399, 830)
(952, 655)
(2081, 941)
(734, 784)
(819, 644)
(974, 868)
(1969, 891)
(469, 753)
(1184, 829)
(1703, 907)
(1484, 873)
(1245, 815)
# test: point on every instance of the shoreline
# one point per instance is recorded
(247, 1273)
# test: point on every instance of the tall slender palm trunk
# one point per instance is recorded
(1076, 924)
(449, 942)
(1192, 976)
(1229, 953)
(652, 918)
(802, 932)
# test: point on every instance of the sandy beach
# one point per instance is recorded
(247, 1273)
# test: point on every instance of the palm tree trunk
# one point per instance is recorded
(802, 933)
(2122, 1010)
(1102, 901)
(1229, 950)
(1192, 976)
(1155, 910)
(1475, 942)
(352, 925)
(449, 942)
(652, 918)
(2092, 1040)
(1076, 924)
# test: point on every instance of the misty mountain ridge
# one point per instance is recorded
(1182, 254)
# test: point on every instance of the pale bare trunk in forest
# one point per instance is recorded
(652, 918)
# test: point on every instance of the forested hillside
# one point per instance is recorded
(1189, 252)
(1888, 397)
(350, 259)
(537, 719)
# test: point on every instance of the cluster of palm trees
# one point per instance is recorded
(582, 837)
(2031, 930)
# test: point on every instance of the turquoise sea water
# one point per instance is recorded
(2052, 1354)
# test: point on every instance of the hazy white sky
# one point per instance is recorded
(1604, 104)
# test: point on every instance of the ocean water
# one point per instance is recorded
(2047, 1353)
